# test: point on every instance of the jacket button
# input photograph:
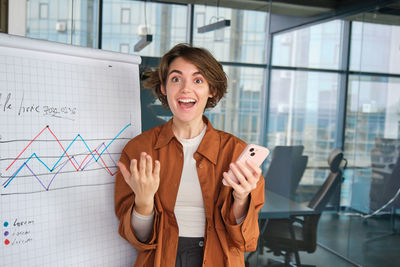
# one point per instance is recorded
(200, 165)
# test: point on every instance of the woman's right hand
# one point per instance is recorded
(144, 182)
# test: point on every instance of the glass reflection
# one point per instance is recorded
(72, 22)
(317, 46)
(124, 21)
(303, 108)
(244, 41)
(372, 137)
(375, 48)
(239, 111)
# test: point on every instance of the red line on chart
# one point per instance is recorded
(99, 155)
(51, 132)
(27, 146)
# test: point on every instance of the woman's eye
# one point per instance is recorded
(175, 79)
(198, 80)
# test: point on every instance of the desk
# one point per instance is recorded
(278, 207)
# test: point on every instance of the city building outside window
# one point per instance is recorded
(372, 132)
(43, 10)
(244, 42)
(303, 104)
(71, 22)
(124, 48)
(125, 15)
(126, 21)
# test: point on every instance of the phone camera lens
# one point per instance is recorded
(251, 149)
(252, 154)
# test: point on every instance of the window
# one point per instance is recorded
(303, 107)
(124, 48)
(125, 15)
(122, 20)
(239, 111)
(372, 136)
(245, 40)
(43, 11)
(311, 47)
(62, 21)
(375, 48)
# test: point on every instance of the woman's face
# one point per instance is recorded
(187, 91)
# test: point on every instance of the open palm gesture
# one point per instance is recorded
(144, 180)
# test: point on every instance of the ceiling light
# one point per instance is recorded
(214, 26)
(146, 39)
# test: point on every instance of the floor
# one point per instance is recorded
(362, 242)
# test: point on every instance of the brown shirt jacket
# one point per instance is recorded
(225, 241)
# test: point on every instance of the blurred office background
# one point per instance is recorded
(318, 74)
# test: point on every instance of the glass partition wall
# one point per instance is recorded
(322, 86)
(336, 84)
(372, 138)
(304, 97)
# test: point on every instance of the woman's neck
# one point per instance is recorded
(187, 130)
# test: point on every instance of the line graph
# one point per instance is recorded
(66, 113)
(93, 156)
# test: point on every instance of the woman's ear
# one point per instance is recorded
(162, 87)
(212, 93)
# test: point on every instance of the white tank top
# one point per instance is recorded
(189, 206)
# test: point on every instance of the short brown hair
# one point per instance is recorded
(208, 66)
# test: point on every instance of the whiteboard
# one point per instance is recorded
(65, 114)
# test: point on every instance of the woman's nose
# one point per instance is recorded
(185, 86)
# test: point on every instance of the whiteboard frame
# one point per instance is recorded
(14, 41)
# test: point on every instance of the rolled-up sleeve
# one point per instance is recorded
(245, 234)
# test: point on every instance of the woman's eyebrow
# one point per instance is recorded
(172, 71)
(180, 72)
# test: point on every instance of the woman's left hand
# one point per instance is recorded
(248, 174)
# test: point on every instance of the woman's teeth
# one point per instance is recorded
(187, 100)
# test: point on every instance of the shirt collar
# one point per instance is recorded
(209, 146)
(165, 136)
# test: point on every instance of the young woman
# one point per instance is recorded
(169, 196)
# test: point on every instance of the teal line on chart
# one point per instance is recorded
(65, 152)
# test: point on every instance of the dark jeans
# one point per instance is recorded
(190, 252)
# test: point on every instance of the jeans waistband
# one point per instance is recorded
(186, 243)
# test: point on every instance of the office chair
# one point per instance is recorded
(384, 157)
(391, 191)
(287, 237)
(299, 168)
(285, 170)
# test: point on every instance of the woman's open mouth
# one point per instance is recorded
(186, 103)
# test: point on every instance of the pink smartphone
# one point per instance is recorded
(255, 153)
